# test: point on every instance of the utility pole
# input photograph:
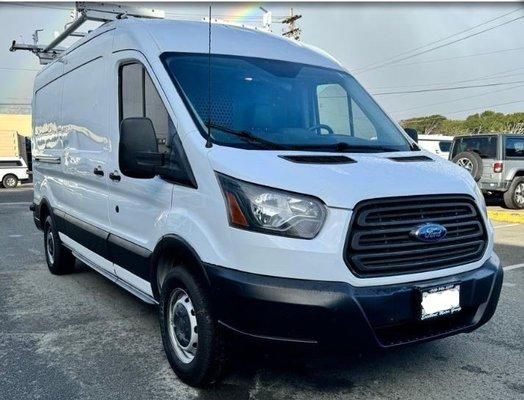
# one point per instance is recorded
(293, 31)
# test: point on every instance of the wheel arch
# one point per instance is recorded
(518, 173)
(41, 211)
(171, 250)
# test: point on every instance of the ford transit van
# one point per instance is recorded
(256, 190)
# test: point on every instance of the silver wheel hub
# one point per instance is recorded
(182, 326)
(10, 181)
(50, 245)
(465, 163)
(519, 194)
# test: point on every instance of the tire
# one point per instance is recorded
(185, 297)
(470, 161)
(60, 260)
(10, 181)
(514, 197)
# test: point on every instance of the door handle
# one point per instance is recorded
(115, 176)
(98, 171)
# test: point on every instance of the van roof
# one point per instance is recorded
(193, 37)
(156, 36)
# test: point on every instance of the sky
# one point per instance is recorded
(384, 45)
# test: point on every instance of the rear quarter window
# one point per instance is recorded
(484, 146)
(515, 147)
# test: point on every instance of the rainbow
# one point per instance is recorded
(244, 12)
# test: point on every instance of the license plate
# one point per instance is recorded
(439, 301)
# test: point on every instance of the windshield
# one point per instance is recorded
(256, 102)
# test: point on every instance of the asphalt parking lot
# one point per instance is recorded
(80, 336)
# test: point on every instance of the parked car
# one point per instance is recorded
(436, 144)
(12, 171)
(496, 161)
(276, 201)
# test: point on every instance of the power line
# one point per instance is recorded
(361, 70)
(18, 69)
(435, 60)
(37, 6)
(500, 74)
(463, 110)
(455, 100)
(441, 39)
(447, 88)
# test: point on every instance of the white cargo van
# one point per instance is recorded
(257, 191)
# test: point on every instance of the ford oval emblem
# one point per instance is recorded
(429, 232)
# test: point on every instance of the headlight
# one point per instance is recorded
(481, 200)
(263, 209)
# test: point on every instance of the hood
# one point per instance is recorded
(371, 175)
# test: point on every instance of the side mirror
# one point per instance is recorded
(412, 133)
(138, 150)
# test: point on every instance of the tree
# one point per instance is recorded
(485, 122)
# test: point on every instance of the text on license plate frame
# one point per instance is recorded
(439, 301)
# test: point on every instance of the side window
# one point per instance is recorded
(333, 108)
(444, 146)
(362, 126)
(515, 147)
(342, 114)
(139, 98)
(10, 164)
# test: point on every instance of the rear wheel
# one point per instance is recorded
(471, 162)
(59, 259)
(514, 197)
(10, 181)
(192, 339)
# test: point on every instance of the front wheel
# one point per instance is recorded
(514, 197)
(192, 339)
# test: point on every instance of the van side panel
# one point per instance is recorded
(47, 136)
(86, 142)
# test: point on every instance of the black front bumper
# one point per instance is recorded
(338, 314)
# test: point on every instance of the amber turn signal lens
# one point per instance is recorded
(235, 213)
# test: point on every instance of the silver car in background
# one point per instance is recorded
(496, 162)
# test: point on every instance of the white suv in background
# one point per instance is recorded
(12, 171)
(436, 144)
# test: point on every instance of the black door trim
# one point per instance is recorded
(128, 255)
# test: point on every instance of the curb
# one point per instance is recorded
(507, 216)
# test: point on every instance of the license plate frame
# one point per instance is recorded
(439, 301)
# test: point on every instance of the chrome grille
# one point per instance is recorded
(379, 240)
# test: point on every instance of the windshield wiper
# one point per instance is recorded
(247, 136)
(344, 147)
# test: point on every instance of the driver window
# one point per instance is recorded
(139, 98)
(333, 108)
